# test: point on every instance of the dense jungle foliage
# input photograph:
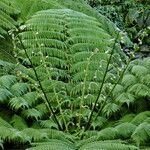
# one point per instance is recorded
(74, 75)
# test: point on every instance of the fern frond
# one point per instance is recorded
(125, 98)
(126, 119)
(141, 133)
(28, 8)
(105, 145)
(48, 124)
(140, 117)
(7, 81)
(1, 144)
(100, 122)
(6, 21)
(6, 66)
(5, 95)
(139, 70)
(12, 135)
(117, 90)
(55, 134)
(110, 108)
(129, 80)
(31, 98)
(140, 90)
(17, 103)
(19, 89)
(81, 56)
(125, 130)
(79, 47)
(145, 80)
(18, 122)
(53, 145)
(4, 123)
(35, 135)
(106, 24)
(107, 134)
(80, 31)
(32, 113)
(42, 108)
(6, 132)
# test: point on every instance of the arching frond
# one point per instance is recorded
(31, 98)
(48, 124)
(53, 145)
(19, 89)
(5, 95)
(125, 130)
(139, 70)
(126, 119)
(125, 98)
(140, 90)
(4, 123)
(129, 80)
(6, 21)
(18, 122)
(107, 145)
(32, 113)
(141, 133)
(16, 136)
(107, 134)
(110, 108)
(140, 117)
(7, 80)
(28, 8)
(100, 122)
(35, 135)
(17, 103)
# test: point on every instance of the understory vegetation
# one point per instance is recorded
(72, 77)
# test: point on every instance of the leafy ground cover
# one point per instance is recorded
(66, 82)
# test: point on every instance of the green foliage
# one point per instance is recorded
(111, 145)
(130, 15)
(52, 145)
(6, 21)
(70, 51)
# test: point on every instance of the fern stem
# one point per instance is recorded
(56, 95)
(41, 87)
(101, 87)
(119, 79)
(60, 109)
(84, 86)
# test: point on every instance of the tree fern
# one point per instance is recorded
(53, 40)
(70, 51)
